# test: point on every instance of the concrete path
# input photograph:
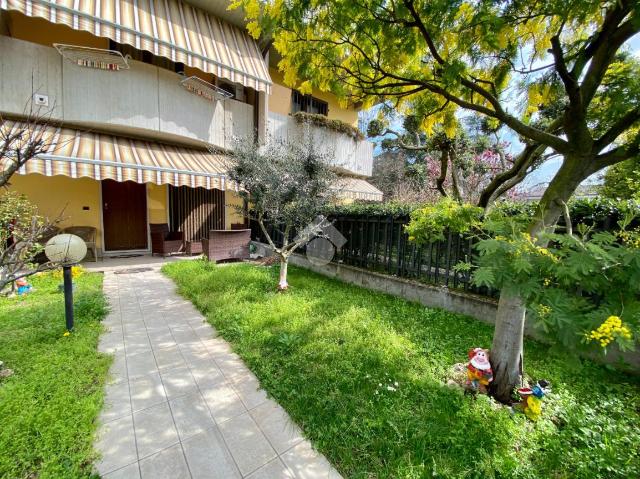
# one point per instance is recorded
(180, 403)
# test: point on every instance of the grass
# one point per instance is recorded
(327, 352)
(48, 408)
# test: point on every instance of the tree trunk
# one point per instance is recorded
(284, 262)
(506, 349)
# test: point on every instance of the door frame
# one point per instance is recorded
(118, 252)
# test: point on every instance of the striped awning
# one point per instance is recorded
(169, 28)
(357, 189)
(77, 153)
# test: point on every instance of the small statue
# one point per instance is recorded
(23, 286)
(531, 399)
(479, 373)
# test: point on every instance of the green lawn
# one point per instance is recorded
(327, 352)
(48, 408)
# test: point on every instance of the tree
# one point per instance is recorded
(554, 72)
(623, 180)
(21, 231)
(462, 166)
(286, 185)
(21, 227)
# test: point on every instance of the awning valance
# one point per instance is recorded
(169, 28)
(77, 153)
(357, 189)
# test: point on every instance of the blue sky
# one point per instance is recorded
(548, 169)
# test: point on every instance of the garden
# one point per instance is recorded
(365, 375)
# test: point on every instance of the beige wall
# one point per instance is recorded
(157, 203)
(61, 195)
(280, 101)
(231, 199)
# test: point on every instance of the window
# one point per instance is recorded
(307, 103)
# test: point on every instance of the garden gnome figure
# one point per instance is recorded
(479, 373)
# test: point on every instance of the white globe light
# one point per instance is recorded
(65, 249)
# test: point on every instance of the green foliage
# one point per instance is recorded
(328, 351)
(50, 405)
(394, 209)
(332, 124)
(570, 286)
(286, 183)
(623, 180)
(430, 222)
(17, 214)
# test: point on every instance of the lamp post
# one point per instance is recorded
(67, 250)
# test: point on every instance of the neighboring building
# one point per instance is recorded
(140, 93)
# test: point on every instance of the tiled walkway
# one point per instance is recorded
(180, 403)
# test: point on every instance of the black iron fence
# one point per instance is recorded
(380, 244)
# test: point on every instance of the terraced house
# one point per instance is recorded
(139, 94)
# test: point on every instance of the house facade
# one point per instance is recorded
(142, 100)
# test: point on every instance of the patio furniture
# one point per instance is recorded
(165, 242)
(194, 247)
(224, 245)
(88, 234)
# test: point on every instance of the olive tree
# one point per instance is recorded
(287, 185)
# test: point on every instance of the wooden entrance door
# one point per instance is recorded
(124, 215)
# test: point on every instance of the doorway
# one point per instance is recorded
(124, 215)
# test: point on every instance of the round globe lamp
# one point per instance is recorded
(66, 250)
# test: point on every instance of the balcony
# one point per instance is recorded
(143, 100)
(349, 154)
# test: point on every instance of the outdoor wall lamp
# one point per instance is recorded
(67, 250)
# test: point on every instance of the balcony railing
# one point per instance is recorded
(347, 153)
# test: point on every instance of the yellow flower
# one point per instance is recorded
(608, 331)
(67, 333)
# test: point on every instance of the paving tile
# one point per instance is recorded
(116, 444)
(191, 415)
(166, 464)
(307, 463)
(146, 391)
(110, 344)
(154, 429)
(272, 470)
(206, 372)
(224, 403)
(276, 425)
(208, 456)
(248, 446)
(194, 351)
(184, 336)
(141, 364)
(178, 381)
(128, 472)
(117, 402)
(118, 369)
(167, 358)
(217, 346)
(248, 388)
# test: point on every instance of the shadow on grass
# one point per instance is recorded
(364, 374)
